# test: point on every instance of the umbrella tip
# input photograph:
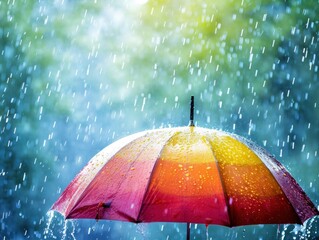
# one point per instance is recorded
(191, 117)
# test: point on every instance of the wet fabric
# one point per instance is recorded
(186, 174)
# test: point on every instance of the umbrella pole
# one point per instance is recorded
(191, 124)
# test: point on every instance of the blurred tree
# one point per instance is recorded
(25, 160)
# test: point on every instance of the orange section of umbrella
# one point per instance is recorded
(185, 183)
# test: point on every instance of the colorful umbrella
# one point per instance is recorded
(186, 174)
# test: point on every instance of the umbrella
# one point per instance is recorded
(186, 174)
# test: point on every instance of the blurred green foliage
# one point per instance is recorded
(76, 75)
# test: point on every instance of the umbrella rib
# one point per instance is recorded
(222, 182)
(120, 184)
(152, 173)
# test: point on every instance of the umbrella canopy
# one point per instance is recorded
(186, 174)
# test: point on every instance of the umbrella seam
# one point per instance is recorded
(222, 182)
(140, 153)
(152, 174)
(87, 187)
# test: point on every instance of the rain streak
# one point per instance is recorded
(78, 76)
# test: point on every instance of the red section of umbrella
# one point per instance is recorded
(186, 174)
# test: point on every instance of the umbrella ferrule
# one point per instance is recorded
(191, 117)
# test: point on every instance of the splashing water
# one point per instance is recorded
(73, 230)
(66, 228)
(303, 232)
(47, 231)
(291, 229)
(141, 228)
